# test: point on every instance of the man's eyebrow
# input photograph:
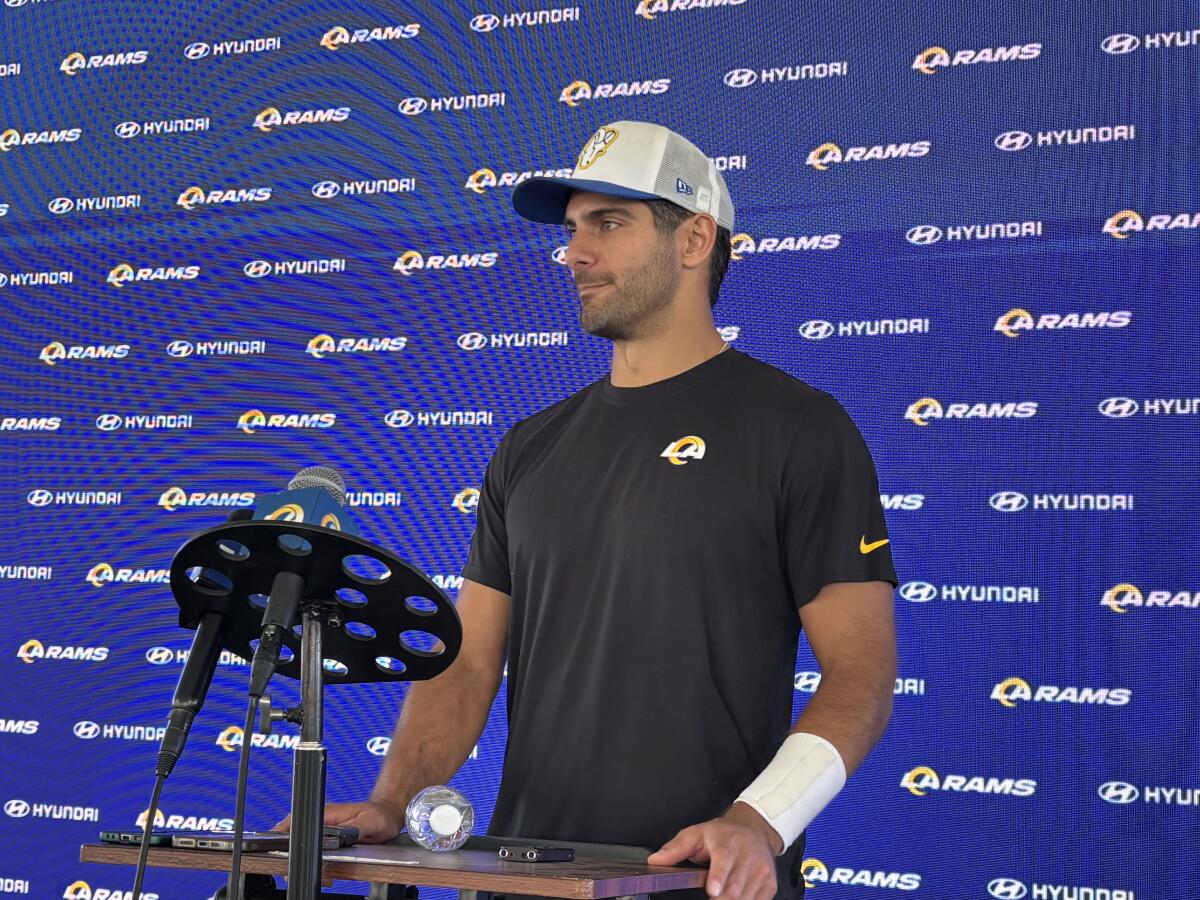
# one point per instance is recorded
(600, 213)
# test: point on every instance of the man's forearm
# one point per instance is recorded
(850, 712)
(439, 725)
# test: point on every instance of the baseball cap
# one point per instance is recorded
(638, 161)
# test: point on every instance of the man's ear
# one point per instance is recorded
(695, 238)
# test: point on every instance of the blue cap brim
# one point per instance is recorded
(545, 199)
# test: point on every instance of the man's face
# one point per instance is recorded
(624, 269)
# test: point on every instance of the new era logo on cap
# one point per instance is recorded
(637, 161)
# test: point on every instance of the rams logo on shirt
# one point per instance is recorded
(686, 448)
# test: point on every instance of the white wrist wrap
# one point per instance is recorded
(804, 776)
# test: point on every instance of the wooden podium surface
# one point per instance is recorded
(585, 878)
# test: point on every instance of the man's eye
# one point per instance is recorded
(609, 222)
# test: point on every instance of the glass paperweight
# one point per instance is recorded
(440, 818)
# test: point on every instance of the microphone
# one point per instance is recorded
(196, 676)
(315, 496)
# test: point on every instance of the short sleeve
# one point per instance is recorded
(833, 525)
(487, 560)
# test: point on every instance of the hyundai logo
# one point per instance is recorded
(3, 279)
(108, 422)
(15, 2)
(1117, 44)
(399, 418)
(60, 205)
(1118, 407)
(918, 591)
(160, 656)
(18, 809)
(485, 22)
(378, 746)
(472, 340)
(40, 497)
(559, 255)
(257, 268)
(1008, 501)
(198, 50)
(740, 78)
(413, 106)
(128, 130)
(1013, 140)
(924, 234)
(806, 682)
(180, 349)
(326, 190)
(816, 329)
(1120, 792)
(1007, 889)
(86, 730)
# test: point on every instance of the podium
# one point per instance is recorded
(598, 871)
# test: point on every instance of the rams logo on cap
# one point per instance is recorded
(596, 147)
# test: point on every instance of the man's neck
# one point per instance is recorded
(645, 360)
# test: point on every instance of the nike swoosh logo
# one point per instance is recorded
(865, 548)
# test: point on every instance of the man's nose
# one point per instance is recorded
(579, 254)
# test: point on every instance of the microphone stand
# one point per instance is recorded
(259, 556)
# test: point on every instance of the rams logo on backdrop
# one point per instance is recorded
(743, 244)
(1016, 320)
(103, 574)
(195, 196)
(81, 890)
(829, 153)
(481, 179)
(187, 823)
(56, 351)
(467, 500)
(649, 9)
(33, 650)
(921, 411)
(740, 244)
(411, 261)
(923, 779)
(930, 60)
(484, 178)
(322, 344)
(680, 452)
(124, 273)
(337, 36)
(596, 147)
(924, 409)
(1011, 690)
(175, 497)
(76, 62)
(1120, 225)
(271, 118)
(1119, 598)
(576, 91)
(232, 737)
(815, 872)
(256, 418)
(11, 138)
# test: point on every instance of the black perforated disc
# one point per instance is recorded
(399, 627)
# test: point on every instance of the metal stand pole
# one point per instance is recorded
(308, 772)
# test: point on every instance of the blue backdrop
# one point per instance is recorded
(240, 239)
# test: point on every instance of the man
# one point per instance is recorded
(645, 554)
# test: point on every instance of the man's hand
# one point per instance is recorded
(375, 822)
(740, 849)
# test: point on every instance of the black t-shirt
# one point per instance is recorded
(657, 542)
